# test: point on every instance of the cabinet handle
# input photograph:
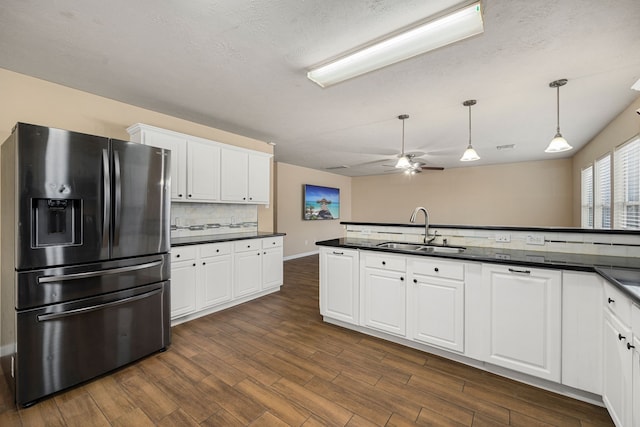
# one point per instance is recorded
(401, 279)
(244, 198)
(250, 198)
(189, 195)
(194, 264)
(180, 195)
(273, 243)
(258, 253)
(630, 346)
(621, 337)
(436, 269)
(264, 253)
(609, 300)
(384, 263)
(415, 280)
(177, 255)
(204, 263)
(514, 270)
(338, 253)
(217, 250)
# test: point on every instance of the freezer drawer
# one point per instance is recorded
(65, 344)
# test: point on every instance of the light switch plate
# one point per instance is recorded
(535, 239)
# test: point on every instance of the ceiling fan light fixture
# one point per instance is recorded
(403, 163)
(558, 144)
(455, 26)
(469, 155)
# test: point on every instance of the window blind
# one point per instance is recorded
(587, 197)
(602, 193)
(626, 165)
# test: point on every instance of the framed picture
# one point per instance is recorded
(320, 202)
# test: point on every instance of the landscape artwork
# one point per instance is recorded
(321, 202)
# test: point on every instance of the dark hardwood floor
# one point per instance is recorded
(273, 362)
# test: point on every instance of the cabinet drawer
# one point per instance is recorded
(438, 268)
(183, 253)
(618, 303)
(385, 262)
(215, 249)
(247, 245)
(271, 242)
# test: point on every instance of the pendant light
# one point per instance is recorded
(403, 161)
(558, 144)
(470, 154)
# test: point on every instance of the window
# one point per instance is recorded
(587, 197)
(627, 185)
(602, 193)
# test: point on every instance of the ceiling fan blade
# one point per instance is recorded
(432, 168)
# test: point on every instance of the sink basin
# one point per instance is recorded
(422, 248)
(441, 249)
(400, 246)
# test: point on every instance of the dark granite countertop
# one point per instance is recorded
(217, 238)
(623, 272)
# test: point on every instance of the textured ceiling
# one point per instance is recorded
(240, 65)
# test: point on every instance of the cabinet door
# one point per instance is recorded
(183, 288)
(178, 147)
(582, 331)
(203, 184)
(523, 315)
(272, 267)
(384, 300)
(339, 284)
(259, 178)
(247, 273)
(617, 386)
(635, 394)
(234, 175)
(215, 275)
(437, 311)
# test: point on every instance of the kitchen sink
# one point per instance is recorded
(422, 248)
(400, 246)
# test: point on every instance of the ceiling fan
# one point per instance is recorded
(409, 163)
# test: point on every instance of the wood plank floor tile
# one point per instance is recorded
(274, 362)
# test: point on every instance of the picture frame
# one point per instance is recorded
(320, 203)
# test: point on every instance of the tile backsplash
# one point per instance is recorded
(212, 218)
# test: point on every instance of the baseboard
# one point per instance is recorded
(302, 255)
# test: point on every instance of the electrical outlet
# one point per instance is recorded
(535, 239)
(503, 237)
(503, 257)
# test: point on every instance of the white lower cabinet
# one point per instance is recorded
(522, 319)
(384, 295)
(215, 274)
(582, 331)
(183, 281)
(339, 284)
(212, 276)
(435, 309)
(272, 274)
(617, 386)
(635, 381)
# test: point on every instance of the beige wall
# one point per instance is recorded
(30, 100)
(620, 130)
(517, 194)
(301, 235)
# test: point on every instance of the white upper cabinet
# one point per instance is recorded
(178, 147)
(245, 176)
(208, 171)
(203, 173)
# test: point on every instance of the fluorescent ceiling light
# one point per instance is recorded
(458, 25)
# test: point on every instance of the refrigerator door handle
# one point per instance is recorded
(83, 310)
(118, 198)
(73, 276)
(106, 187)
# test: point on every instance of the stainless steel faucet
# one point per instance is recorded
(426, 223)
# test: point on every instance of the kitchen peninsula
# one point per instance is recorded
(553, 307)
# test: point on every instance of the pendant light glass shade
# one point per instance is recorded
(558, 144)
(469, 154)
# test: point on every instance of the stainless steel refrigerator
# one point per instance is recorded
(85, 266)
